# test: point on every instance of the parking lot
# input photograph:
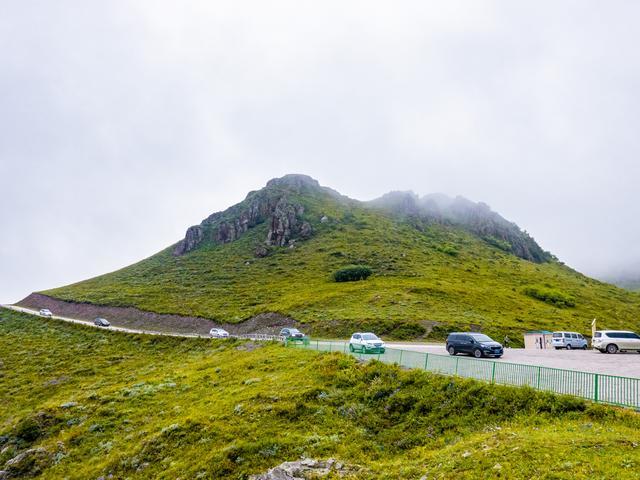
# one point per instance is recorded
(621, 364)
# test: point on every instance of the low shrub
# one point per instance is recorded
(449, 249)
(550, 296)
(498, 243)
(352, 274)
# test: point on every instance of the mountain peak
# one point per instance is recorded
(296, 182)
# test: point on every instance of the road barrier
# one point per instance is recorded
(609, 389)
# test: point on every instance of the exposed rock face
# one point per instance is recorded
(273, 204)
(285, 223)
(28, 463)
(304, 469)
(192, 239)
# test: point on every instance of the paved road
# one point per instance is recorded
(90, 324)
(623, 364)
(130, 330)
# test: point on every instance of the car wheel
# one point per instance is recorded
(351, 348)
(452, 351)
(612, 348)
(477, 353)
(584, 347)
(568, 347)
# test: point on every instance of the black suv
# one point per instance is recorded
(477, 344)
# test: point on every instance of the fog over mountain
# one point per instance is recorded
(124, 122)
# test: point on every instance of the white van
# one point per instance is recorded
(568, 340)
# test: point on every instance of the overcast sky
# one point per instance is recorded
(122, 123)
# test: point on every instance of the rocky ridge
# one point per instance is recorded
(274, 204)
(278, 205)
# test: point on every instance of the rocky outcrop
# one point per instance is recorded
(305, 469)
(273, 204)
(192, 239)
(29, 463)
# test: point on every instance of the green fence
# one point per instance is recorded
(623, 391)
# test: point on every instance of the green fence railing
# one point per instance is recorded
(610, 389)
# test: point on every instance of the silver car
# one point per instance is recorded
(568, 340)
(613, 341)
(101, 322)
(45, 312)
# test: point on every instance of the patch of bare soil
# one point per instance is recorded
(130, 317)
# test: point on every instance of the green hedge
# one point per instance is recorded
(551, 296)
(352, 274)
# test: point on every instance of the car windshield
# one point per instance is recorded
(369, 336)
(479, 337)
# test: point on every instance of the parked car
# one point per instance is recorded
(568, 340)
(477, 344)
(45, 312)
(101, 322)
(291, 333)
(218, 333)
(366, 343)
(613, 341)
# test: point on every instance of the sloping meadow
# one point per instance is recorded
(81, 403)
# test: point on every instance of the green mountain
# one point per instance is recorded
(437, 263)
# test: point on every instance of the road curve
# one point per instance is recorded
(90, 324)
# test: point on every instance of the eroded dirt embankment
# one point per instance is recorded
(130, 317)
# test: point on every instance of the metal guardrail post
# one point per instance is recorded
(457, 360)
(493, 373)
(538, 384)
(426, 360)
(400, 361)
(596, 381)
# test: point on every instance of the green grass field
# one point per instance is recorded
(433, 273)
(91, 403)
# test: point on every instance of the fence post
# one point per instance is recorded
(400, 361)
(457, 360)
(595, 387)
(493, 373)
(329, 345)
(538, 386)
(317, 344)
(426, 360)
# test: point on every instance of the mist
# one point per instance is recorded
(123, 123)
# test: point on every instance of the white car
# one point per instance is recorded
(613, 341)
(218, 333)
(45, 312)
(366, 343)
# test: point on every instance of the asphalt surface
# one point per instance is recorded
(621, 364)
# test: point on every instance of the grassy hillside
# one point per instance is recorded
(422, 273)
(86, 403)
